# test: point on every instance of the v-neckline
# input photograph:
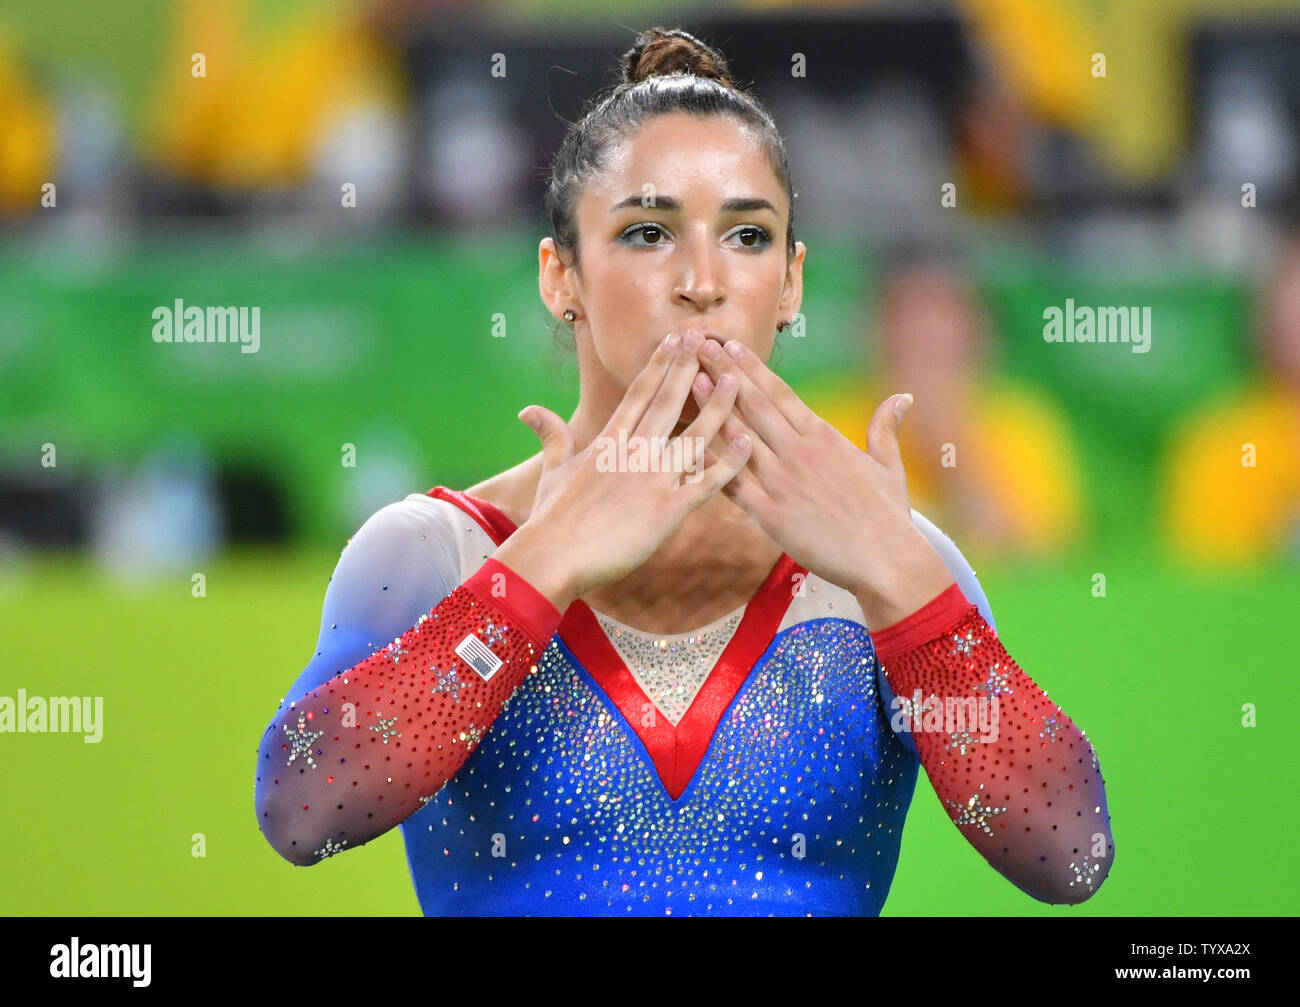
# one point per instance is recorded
(676, 751)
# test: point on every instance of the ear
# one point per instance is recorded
(792, 293)
(555, 280)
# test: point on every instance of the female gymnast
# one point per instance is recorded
(585, 688)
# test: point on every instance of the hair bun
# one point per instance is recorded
(660, 51)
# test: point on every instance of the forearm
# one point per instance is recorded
(1017, 776)
(353, 758)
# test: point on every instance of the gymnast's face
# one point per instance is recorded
(688, 261)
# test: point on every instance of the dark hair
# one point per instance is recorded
(664, 71)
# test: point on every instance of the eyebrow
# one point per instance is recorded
(740, 204)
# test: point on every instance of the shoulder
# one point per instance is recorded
(400, 563)
(956, 563)
(417, 514)
(404, 541)
(512, 492)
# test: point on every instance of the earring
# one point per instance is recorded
(782, 326)
(569, 315)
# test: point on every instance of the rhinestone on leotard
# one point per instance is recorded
(671, 669)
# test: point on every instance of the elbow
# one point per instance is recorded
(1057, 895)
(271, 819)
(281, 820)
(297, 847)
(1076, 879)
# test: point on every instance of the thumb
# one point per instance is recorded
(554, 433)
(882, 434)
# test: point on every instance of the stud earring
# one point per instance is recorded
(569, 315)
(782, 326)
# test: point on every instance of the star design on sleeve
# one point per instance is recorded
(387, 728)
(395, 650)
(471, 735)
(301, 741)
(964, 645)
(975, 813)
(330, 848)
(996, 683)
(448, 681)
(911, 711)
(1051, 727)
(1083, 872)
(495, 633)
(960, 740)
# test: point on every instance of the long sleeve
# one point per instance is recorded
(1015, 774)
(369, 739)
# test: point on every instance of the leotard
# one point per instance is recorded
(548, 763)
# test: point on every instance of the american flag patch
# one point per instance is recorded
(478, 656)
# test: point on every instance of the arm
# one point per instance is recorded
(374, 728)
(1018, 778)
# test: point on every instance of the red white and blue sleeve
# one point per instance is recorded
(1017, 776)
(411, 669)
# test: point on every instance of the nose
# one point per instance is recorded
(699, 284)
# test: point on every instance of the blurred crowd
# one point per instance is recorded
(996, 459)
(256, 122)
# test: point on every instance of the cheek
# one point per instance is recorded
(619, 356)
(626, 323)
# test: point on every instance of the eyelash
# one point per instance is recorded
(764, 241)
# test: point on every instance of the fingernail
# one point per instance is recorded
(672, 341)
(711, 348)
(903, 404)
(734, 348)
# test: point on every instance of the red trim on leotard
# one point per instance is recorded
(676, 751)
(490, 518)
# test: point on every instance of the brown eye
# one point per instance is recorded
(641, 231)
(752, 237)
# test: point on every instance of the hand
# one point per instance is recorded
(593, 522)
(841, 512)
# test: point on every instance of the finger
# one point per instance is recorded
(665, 406)
(556, 435)
(762, 458)
(745, 491)
(717, 475)
(793, 408)
(643, 387)
(754, 404)
(692, 441)
(713, 413)
(718, 425)
(882, 432)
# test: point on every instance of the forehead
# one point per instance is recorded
(678, 152)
